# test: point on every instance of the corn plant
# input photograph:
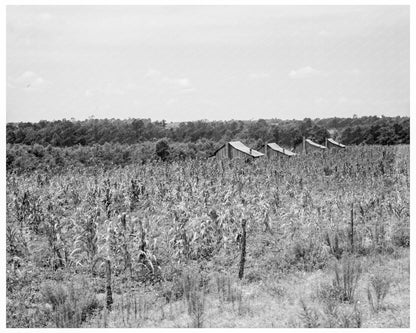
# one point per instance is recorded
(143, 225)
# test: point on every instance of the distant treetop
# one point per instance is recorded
(349, 131)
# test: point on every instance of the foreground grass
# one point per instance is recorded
(275, 301)
(327, 243)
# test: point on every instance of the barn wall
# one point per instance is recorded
(298, 149)
(271, 153)
(310, 148)
(222, 153)
(274, 154)
(234, 153)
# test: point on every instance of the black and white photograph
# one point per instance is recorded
(207, 166)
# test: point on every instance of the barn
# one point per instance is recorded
(307, 146)
(330, 144)
(236, 149)
(274, 150)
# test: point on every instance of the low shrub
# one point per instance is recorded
(309, 316)
(70, 303)
(401, 237)
(308, 255)
(377, 289)
(347, 274)
(335, 313)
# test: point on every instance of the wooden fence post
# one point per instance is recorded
(352, 227)
(109, 293)
(243, 250)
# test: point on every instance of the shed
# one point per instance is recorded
(307, 146)
(274, 150)
(236, 149)
(331, 143)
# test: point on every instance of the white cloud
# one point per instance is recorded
(321, 101)
(39, 81)
(153, 74)
(324, 33)
(184, 84)
(26, 75)
(304, 72)
(117, 91)
(171, 101)
(354, 72)
(180, 82)
(45, 16)
(259, 75)
(349, 101)
(107, 89)
(132, 86)
(185, 91)
(348, 72)
(28, 80)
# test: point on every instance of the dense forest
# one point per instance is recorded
(52, 144)
(66, 133)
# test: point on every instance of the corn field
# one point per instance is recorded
(143, 230)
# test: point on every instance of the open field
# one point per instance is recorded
(162, 244)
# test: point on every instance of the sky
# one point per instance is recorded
(184, 63)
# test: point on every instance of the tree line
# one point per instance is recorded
(67, 133)
(109, 142)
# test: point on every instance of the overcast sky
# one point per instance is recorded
(183, 63)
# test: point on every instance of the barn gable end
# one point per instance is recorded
(273, 150)
(236, 149)
(307, 146)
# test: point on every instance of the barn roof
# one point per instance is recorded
(279, 149)
(317, 145)
(243, 148)
(336, 143)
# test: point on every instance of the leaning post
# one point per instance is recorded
(352, 228)
(109, 293)
(243, 250)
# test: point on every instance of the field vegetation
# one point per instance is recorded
(319, 240)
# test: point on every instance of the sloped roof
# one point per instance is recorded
(336, 143)
(243, 148)
(317, 145)
(279, 149)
